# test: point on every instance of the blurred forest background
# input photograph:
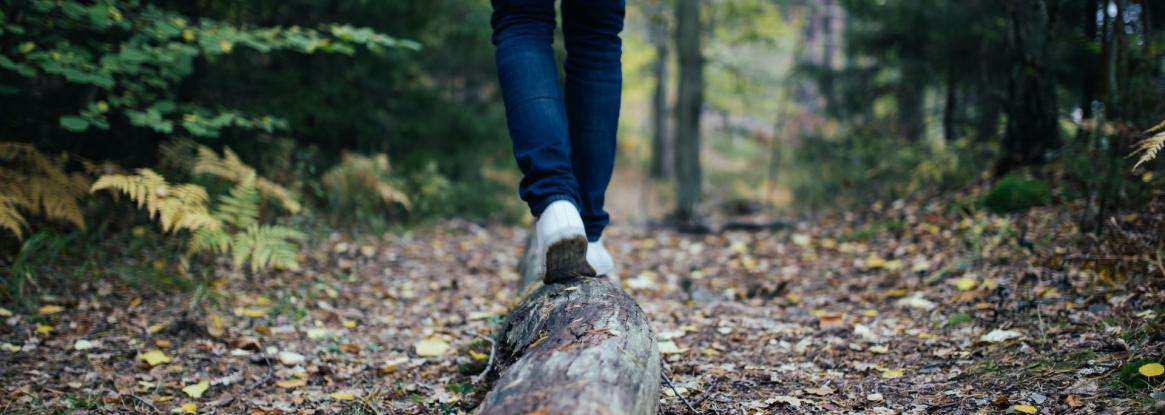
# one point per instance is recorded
(147, 142)
(389, 113)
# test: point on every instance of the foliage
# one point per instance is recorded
(1015, 193)
(1150, 146)
(362, 185)
(131, 58)
(33, 183)
(867, 163)
(232, 227)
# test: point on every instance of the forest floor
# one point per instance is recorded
(915, 311)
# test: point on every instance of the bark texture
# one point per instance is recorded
(580, 347)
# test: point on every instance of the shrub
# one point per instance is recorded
(362, 186)
(1014, 193)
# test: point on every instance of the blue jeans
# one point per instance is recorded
(564, 142)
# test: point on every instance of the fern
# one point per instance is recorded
(175, 207)
(1149, 147)
(231, 168)
(363, 183)
(266, 245)
(35, 184)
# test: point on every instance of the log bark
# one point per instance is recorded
(579, 347)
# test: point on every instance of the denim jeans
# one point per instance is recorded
(563, 137)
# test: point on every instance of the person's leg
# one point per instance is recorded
(594, 83)
(535, 110)
(536, 117)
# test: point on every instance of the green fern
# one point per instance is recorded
(176, 207)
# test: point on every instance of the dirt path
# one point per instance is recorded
(917, 315)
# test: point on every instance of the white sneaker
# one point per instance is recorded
(557, 247)
(600, 260)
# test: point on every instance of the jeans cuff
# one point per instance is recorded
(541, 206)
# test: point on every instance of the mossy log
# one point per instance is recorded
(578, 347)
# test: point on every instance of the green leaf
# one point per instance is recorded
(74, 123)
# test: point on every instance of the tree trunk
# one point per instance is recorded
(659, 110)
(1031, 117)
(910, 104)
(688, 105)
(580, 347)
(951, 105)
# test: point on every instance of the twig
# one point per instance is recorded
(493, 346)
(266, 378)
(708, 392)
(678, 395)
(146, 403)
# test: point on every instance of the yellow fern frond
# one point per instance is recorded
(1149, 147)
(38, 185)
(175, 207)
(231, 168)
(10, 217)
(266, 246)
(358, 176)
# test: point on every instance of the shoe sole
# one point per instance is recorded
(567, 260)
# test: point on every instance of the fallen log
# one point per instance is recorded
(578, 347)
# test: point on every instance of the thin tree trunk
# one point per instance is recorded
(1031, 120)
(910, 105)
(688, 105)
(659, 147)
(951, 105)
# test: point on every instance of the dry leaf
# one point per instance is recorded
(1026, 409)
(794, 402)
(189, 408)
(669, 347)
(342, 396)
(997, 335)
(196, 390)
(154, 357)
(291, 383)
(431, 348)
(51, 309)
(291, 358)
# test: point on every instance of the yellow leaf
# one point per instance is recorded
(1027, 409)
(189, 408)
(51, 309)
(349, 324)
(478, 357)
(431, 348)
(154, 329)
(892, 373)
(1151, 370)
(252, 312)
(874, 262)
(342, 396)
(196, 390)
(869, 312)
(291, 383)
(4, 312)
(44, 329)
(154, 357)
(262, 300)
(966, 283)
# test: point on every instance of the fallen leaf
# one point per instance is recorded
(916, 301)
(44, 329)
(9, 347)
(820, 391)
(892, 373)
(349, 324)
(478, 356)
(252, 312)
(1151, 370)
(290, 358)
(291, 383)
(668, 347)
(997, 335)
(4, 312)
(1026, 409)
(154, 357)
(431, 348)
(196, 390)
(875, 397)
(966, 283)
(82, 344)
(791, 401)
(189, 408)
(342, 396)
(51, 309)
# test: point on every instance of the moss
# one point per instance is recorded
(1014, 193)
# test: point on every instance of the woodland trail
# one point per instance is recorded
(926, 314)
